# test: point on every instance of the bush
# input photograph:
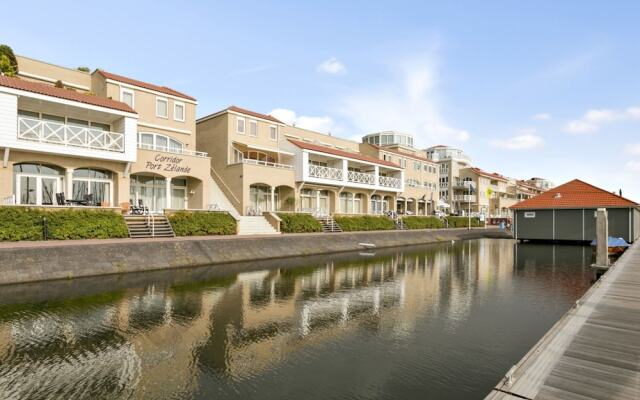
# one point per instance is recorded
(423, 222)
(23, 223)
(201, 223)
(298, 223)
(8, 61)
(463, 222)
(365, 223)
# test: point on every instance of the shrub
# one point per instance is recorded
(8, 62)
(84, 69)
(463, 222)
(298, 223)
(422, 222)
(364, 223)
(23, 223)
(201, 223)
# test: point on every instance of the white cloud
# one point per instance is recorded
(593, 120)
(526, 139)
(633, 149)
(541, 116)
(332, 66)
(407, 101)
(633, 166)
(323, 124)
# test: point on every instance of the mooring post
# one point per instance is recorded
(602, 238)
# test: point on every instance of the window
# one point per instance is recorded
(94, 182)
(530, 214)
(253, 128)
(156, 141)
(240, 125)
(126, 96)
(403, 162)
(37, 184)
(162, 107)
(416, 165)
(386, 157)
(273, 132)
(178, 111)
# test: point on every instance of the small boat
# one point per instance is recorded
(615, 246)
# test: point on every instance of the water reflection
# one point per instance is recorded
(444, 320)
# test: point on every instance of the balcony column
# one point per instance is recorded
(273, 198)
(318, 199)
(68, 184)
(168, 195)
(376, 173)
(345, 170)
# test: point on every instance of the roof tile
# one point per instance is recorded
(150, 86)
(254, 114)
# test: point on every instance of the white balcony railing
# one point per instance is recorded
(266, 163)
(50, 132)
(465, 197)
(361, 177)
(319, 171)
(172, 150)
(388, 181)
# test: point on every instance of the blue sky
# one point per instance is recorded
(538, 89)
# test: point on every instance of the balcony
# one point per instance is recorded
(360, 177)
(49, 132)
(322, 172)
(172, 150)
(387, 181)
(266, 163)
(460, 184)
(467, 198)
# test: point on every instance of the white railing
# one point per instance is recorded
(317, 212)
(388, 181)
(173, 150)
(318, 171)
(266, 163)
(465, 184)
(464, 197)
(9, 200)
(361, 177)
(37, 130)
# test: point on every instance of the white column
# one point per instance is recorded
(273, 198)
(68, 184)
(168, 181)
(317, 199)
(345, 170)
(376, 172)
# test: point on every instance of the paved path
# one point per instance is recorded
(593, 352)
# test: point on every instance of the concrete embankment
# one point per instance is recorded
(40, 261)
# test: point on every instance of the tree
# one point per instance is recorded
(8, 62)
(59, 84)
(84, 69)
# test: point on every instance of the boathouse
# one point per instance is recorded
(568, 213)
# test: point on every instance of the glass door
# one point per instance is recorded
(37, 190)
(49, 190)
(27, 189)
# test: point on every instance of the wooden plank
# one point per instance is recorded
(593, 352)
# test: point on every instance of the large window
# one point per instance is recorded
(350, 203)
(152, 191)
(156, 141)
(95, 182)
(260, 197)
(162, 107)
(37, 184)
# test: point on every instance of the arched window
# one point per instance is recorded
(159, 142)
(95, 182)
(37, 184)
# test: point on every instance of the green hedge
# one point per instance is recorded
(298, 223)
(463, 222)
(24, 223)
(201, 223)
(365, 223)
(423, 222)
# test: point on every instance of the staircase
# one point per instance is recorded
(255, 225)
(147, 226)
(218, 197)
(329, 224)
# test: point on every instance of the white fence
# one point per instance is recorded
(318, 171)
(37, 130)
(388, 181)
(360, 177)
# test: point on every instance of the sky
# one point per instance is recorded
(548, 89)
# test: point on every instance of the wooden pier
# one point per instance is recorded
(593, 352)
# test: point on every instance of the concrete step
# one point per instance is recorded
(255, 225)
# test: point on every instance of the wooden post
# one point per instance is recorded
(602, 238)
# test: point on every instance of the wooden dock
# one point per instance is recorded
(593, 352)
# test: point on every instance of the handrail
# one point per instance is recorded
(320, 171)
(266, 163)
(165, 149)
(361, 177)
(227, 189)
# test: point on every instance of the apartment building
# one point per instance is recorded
(450, 162)
(420, 195)
(262, 164)
(97, 138)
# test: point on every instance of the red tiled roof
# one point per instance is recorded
(67, 94)
(574, 194)
(408, 155)
(254, 114)
(150, 86)
(342, 153)
(489, 174)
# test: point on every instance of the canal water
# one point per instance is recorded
(442, 321)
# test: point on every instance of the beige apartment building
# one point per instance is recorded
(69, 135)
(262, 164)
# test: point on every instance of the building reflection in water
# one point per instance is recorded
(173, 340)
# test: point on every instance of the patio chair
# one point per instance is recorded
(145, 209)
(88, 200)
(60, 199)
